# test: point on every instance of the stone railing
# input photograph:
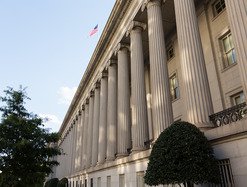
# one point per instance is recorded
(229, 115)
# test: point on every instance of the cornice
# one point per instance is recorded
(118, 11)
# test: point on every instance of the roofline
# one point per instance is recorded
(114, 19)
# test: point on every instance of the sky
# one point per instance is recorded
(45, 46)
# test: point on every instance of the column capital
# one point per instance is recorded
(79, 112)
(111, 62)
(83, 107)
(91, 93)
(148, 3)
(87, 101)
(96, 85)
(122, 46)
(136, 25)
(103, 75)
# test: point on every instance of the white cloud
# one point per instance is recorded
(51, 122)
(66, 94)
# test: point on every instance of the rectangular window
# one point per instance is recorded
(140, 179)
(108, 181)
(218, 7)
(121, 180)
(174, 87)
(99, 182)
(170, 52)
(238, 98)
(228, 50)
(225, 174)
(91, 182)
(85, 182)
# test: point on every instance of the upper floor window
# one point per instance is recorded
(238, 98)
(170, 52)
(174, 86)
(218, 6)
(228, 50)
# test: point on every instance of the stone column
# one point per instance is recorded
(138, 92)
(237, 16)
(76, 142)
(90, 130)
(85, 135)
(70, 148)
(197, 94)
(123, 130)
(103, 119)
(74, 145)
(112, 111)
(160, 88)
(81, 137)
(96, 115)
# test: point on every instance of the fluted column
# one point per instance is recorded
(74, 145)
(90, 130)
(112, 111)
(96, 115)
(160, 89)
(81, 136)
(77, 162)
(103, 119)
(197, 94)
(85, 135)
(123, 130)
(77, 134)
(138, 92)
(70, 149)
(237, 15)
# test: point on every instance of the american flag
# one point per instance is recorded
(95, 29)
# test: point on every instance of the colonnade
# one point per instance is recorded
(109, 124)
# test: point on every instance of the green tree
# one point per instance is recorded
(25, 146)
(182, 154)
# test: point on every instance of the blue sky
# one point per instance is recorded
(45, 46)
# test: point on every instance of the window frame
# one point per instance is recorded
(225, 52)
(234, 96)
(175, 90)
(168, 49)
(222, 7)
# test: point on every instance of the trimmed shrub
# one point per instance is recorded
(52, 182)
(182, 154)
(63, 182)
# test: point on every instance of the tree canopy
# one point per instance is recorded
(27, 149)
(182, 154)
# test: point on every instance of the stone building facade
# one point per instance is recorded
(157, 62)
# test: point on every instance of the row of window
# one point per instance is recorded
(139, 181)
(224, 167)
(236, 99)
(228, 51)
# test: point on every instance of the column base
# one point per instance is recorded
(100, 163)
(138, 149)
(121, 155)
(110, 159)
